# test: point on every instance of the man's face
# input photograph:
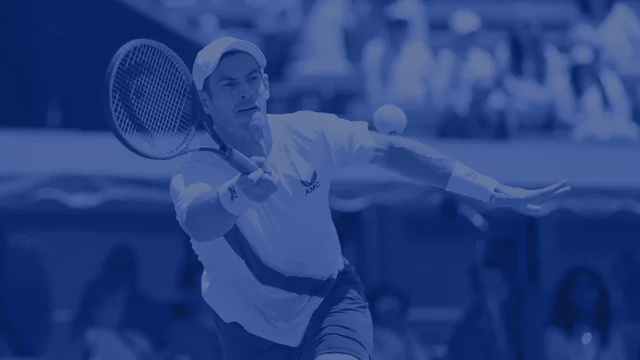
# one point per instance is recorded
(237, 91)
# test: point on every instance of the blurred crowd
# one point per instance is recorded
(351, 56)
(588, 318)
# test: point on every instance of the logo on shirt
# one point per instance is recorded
(312, 185)
(233, 193)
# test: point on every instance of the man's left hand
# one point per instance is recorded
(527, 200)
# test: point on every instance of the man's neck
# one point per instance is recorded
(250, 143)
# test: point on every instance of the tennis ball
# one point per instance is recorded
(390, 120)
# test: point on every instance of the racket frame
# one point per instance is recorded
(116, 60)
(236, 159)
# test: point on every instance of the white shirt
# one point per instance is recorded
(409, 73)
(417, 16)
(322, 49)
(617, 35)
(290, 235)
(454, 78)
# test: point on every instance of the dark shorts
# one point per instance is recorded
(341, 325)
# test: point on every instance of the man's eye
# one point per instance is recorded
(228, 85)
(254, 78)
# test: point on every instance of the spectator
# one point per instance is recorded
(321, 48)
(581, 322)
(193, 335)
(100, 324)
(491, 325)
(627, 273)
(143, 313)
(397, 68)
(612, 27)
(464, 76)
(25, 301)
(534, 82)
(393, 338)
(598, 106)
(279, 23)
(417, 18)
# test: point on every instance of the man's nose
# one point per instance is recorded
(247, 98)
(244, 92)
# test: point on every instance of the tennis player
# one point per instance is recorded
(274, 273)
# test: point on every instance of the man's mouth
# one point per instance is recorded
(247, 108)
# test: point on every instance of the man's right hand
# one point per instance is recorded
(260, 184)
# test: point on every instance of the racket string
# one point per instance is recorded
(152, 101)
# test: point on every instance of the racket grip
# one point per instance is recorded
(241, 163)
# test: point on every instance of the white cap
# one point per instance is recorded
(208, 58)
(464, 21)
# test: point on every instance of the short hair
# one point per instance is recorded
(564, 314)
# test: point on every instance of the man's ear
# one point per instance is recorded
(265, 83)
(205, 101)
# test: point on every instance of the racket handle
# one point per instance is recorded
(241, 163)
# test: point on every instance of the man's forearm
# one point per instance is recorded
(421, 162)
(415, 160)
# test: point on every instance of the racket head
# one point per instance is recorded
(152, 105)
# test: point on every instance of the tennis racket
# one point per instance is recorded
(153, 107)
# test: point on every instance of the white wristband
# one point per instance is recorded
(465, 181)
(232, 198)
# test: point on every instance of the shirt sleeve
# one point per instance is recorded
(190, 182)
(348, 142)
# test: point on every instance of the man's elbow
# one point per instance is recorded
(206, 219)
(383, 148)
(392, 152)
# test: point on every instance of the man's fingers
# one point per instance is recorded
(262, 163)
(553, 190)
(259, 160)
(562, 191)
(256, 175)
(541, 198)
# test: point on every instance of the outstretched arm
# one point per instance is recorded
(351, 143)
(419, 161)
